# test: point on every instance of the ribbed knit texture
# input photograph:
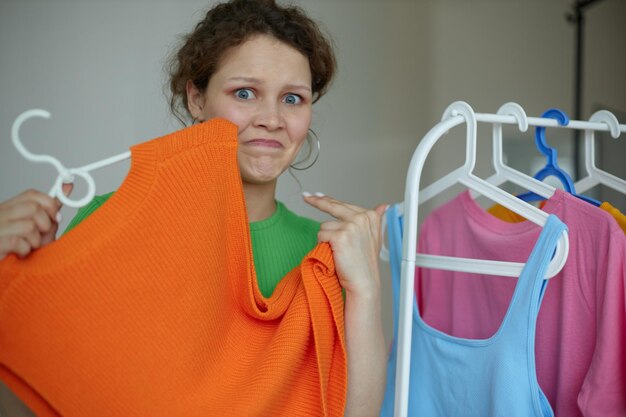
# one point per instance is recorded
(278, 243)
(151, 307)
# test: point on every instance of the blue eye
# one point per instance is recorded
(245, 94)
(292, 99)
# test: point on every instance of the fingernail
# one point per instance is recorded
(306, 194)
(59, 217)
(318, 194)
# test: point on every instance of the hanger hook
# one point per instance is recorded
(17, 142)
(552, 166)
(65, 175)
(609, 119)
(515, 110)
(540, 132)
(461, 108)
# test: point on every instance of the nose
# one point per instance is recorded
(269, 116)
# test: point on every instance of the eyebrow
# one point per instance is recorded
(253, 80)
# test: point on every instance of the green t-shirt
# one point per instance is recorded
(278, 243)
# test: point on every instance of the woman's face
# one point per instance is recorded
(264, 87)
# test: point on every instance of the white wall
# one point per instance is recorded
(97, 67)
(605, 85)
(490, 52)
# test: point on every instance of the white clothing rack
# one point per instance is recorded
(454, 115)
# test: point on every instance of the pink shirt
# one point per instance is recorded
(581, 330)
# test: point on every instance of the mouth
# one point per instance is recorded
(266, 143)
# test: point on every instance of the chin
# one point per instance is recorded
(261, 178)
(261, 170)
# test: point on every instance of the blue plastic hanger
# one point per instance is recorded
(552, 167)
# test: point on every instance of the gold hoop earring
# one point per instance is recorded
(311, 136)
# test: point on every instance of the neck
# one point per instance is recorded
(260, 200)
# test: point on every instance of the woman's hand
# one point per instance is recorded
(355, 238)
(28, 221)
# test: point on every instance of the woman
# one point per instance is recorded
(262, 66)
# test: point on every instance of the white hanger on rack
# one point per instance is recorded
(454, 115)
(505, 173)
(65, 175)
(597, 176)
(464, 175)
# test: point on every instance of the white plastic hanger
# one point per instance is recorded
(596, 176)
(505, 173)
(65, 175)
(454, 115)
(462, 111)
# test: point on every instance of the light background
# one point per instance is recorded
(97, 66)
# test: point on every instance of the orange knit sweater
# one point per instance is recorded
(151, 308)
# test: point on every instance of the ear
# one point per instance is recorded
(195, 101)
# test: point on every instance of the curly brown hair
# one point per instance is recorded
(230, 24)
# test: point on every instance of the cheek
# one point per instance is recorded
(299, 128)
(228, 112)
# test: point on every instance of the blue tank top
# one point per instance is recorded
(452, 376)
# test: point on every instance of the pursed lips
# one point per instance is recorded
(269, 143)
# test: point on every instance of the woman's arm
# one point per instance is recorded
(355, 238)
(366, 354)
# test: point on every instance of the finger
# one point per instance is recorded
(324, 197)
(29, 210)
(43, 221)
(336, 208)
(14, 244)
(331, 225)
(381, 209)
(50, 236)
(23, 229)
(338, 239)
(49, 204)
(333, 200)
(67, 188)
(31, 195)
(327, 236)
